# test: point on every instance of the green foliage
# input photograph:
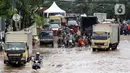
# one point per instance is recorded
(127, 15)
(39, 20)
(4, 7)
(80, 6)
(29, 8)
(26, 8)
(12, 12)
(105, 8)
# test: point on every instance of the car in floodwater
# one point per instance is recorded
(46, 37)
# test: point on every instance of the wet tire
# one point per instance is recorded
(114, 48)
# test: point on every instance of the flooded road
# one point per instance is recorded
(71, 60)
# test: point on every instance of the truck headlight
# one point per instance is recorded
(24, 58)
(105, 43)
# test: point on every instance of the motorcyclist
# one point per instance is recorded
(85, 39)
(63, 33)
(37, 56)
(81, 42)
(67, 39)
(72, 38)
(37, 61)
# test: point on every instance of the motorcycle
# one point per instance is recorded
(70, 43)
(37, 63)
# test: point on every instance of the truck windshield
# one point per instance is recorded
(56, 21)
(103, 36)
(15, 46)
(46, 34)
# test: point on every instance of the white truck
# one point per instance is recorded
(18, 47)
(101, 16)
(105, 36)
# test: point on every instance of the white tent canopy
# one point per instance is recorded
(54, 9)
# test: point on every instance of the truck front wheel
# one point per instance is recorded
(114, 48)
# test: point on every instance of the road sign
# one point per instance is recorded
(16, 17)
(119, 9)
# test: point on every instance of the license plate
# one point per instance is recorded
(45, 39)
(49, 40)
(99, 46)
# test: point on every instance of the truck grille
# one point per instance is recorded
(99, 43)
(14, 58)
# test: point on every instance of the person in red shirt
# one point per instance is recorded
(81, 42)
(75, 29)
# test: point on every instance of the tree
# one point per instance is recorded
(27, 8)
(80, 6)
(39, 20)
(4, 7)
(105, 8)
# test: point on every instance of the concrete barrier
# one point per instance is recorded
(32, 28)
